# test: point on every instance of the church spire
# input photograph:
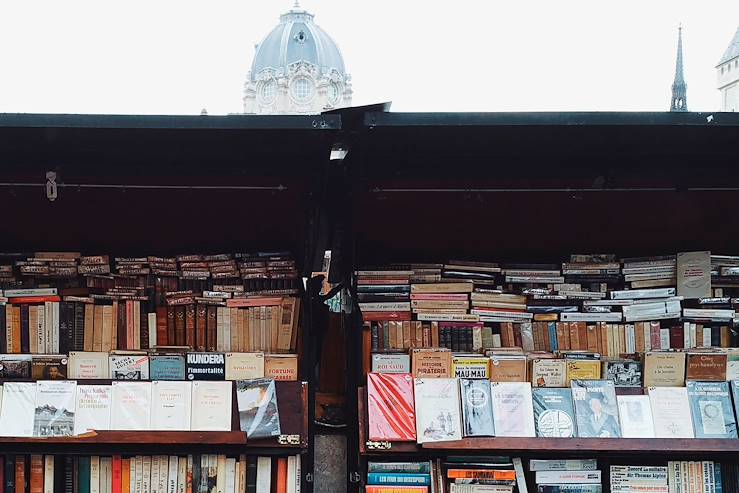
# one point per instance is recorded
(679, 100)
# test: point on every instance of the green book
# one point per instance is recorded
(83, 475)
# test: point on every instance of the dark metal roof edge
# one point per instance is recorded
(172, 122)
(383, 119)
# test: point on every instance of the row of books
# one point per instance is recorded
(63, 408)
(403, 408)
(38, 321)
(157, 365)
(206, 473)
(653, 369)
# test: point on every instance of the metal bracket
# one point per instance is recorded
(355, 477)
(309, 477)
(379, 445)
(288, 439)
(51, 193)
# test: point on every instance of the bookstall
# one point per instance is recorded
(565, 255)
(167, 250)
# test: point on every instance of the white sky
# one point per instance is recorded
(178, 56)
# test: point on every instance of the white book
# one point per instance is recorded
(155, 474)
(632, 294)
(298, 473)
(48, 474)
(106, 474)
(139, 474)
(132, 475)
(568, 477)
(563, 464)
(181, 474)
(227, 329)
(19, 404)
(48, 327)
(230, 483)
(171, 402)
(291, 474)
(132, 406)
(55, 327)
(221, 474)
(264, 474)
(163, 474)
(92, 408)
(686, 335)
(671, 412)
(146, 470)
(88, 365)
(40, 328)
(174, 466)
(694, 274)
(220, 346)
(590, 317)
(211, 406)
(152, 317)
(95, 474)
(438, 417)
(513, 411)
(55, 408)
(635, 415)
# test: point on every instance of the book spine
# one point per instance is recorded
(211, 328)
(190, 323)
(49, 474)
(36, 476)
(25, 332)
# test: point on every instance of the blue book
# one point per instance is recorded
(167, 367)
(397, 479)
(717, 477)
(712, 411)
(552, 327)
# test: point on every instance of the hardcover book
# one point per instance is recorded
(596, 410)
(554, 413)
(707, 366)
(88, 365)
(281, 367)
(131, 406)
(623, 373)
(711, 409)
(635, 416)
(477, 408)
(244, 366)
(211, 406)
(92, 409)
(171, 405)
(390, 407)
(258, 413)
(664, 369)
(549, 373)
(468, 366)
(437, 410)
(694, 274)
(431, 363)
(49, 367)
(513, 412)
(206, 366)
(671, 412)
(55, 408)
(167, 367)
(391, 363)
(133, 366)
(17, 413)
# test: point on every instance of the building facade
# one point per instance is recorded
(728, 76)
(297, 69)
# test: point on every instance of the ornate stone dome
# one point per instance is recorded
(297, 68)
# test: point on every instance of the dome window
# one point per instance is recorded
(334, 93)
(302, 90)
(267, 91)
(301, 37)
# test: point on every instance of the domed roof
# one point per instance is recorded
(296, 38)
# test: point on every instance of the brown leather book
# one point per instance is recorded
(37, 474)
(591, 335)
(20, 474)
(201, 319)
(171, 325)
(179, 325)
(574, 335)
(89, 326)
(211, 329)
(161, 312)
(143, 326)
(190, 325)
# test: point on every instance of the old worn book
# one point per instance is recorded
(171, 405)
(671, 412)
(694, 274)
(258, 412)
(709, 366)
(128, 365)
(583, 369)
(88, 365)
(471, 366)
(635, 415)
(211, 406)
(623, 373)
(244, 366)
(444, 287)
(508, 368)
(390, 407)
(664, 369)
(391, 363)
(131, 406)
(49, 366)
(55, 408)
(711, 409)
(431, 363)
(281, 367)
(477, 407)
(437, 410)
(554, 413)
(17, 413)
(513, 412)
(547, 372)
(206, 366)
(93, 408)
(167, 366)
(596, 410)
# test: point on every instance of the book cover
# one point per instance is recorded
(92, 408)
(391, 363)
(170, 405)
(258, 412)
(508, 368)
(671, 412)
(583, 369)
(477, 407)
(167, 367)
(568, 477)
(17, 413)
(554, 412)
(437, 410)
(390, 408)
(84, 365)
(707, 366)
(711, 409)
(244, 366)
(398, 479)
(563, 464)
(694, 274)
(206, 366)
(624, 373)
(15, 366)
(549, 373)
(55, 408)
(49, 367)
(596, 410)
(664, 369)
(635, 416)
(211, 406)
(431, 363)
(281, 367)
(468, 366)
(129, 366)
(513, 412)
(131, 406)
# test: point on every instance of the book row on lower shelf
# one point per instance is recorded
(481, 474)
(53, 408)
(401, 408)
(204, 473)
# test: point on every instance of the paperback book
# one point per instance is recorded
(513, 413)
(477, 407)
(437, 410)
(390, 407)
(554, 413)
(671, 412)
(92, 409)
(635, 415)
(258, 413)
(55, 408)
(596, 410)
(711, 409)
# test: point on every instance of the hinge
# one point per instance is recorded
(288, 439)
(355, 477)
(379, 445)
(51, 186)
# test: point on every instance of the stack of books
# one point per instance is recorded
(640, 479)
(566, 476)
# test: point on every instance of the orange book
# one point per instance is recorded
(282, 475)
(490, 474)
(117, 474)
(20, 474)
(37, 474)
(25, 300)
(125, 475)
(16, 329)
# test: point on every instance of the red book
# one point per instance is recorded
(677, 337)
(654, 335)
(390, 407)
(117, 474)
(281, 475)
(24, 300)
(162, 326)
